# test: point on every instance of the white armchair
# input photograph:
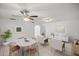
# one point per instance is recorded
(57, 41)
(40, 39)
(57, 44)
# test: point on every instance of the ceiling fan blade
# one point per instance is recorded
(33, 16)
(24, 12)
(21, 12)
(12, 18)
(17, 16)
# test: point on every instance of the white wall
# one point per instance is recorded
(71, 27)
(69, 18)
(28, 27)
(64, 14)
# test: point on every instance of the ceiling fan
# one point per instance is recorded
(25, 14)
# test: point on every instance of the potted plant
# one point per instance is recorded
(6, 35)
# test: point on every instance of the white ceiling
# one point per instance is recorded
(53, 10)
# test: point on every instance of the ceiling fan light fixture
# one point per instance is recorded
(26, 19)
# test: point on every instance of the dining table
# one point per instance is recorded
(22, 42)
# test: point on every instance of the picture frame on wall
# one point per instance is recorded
(18, 29)
(60, 29)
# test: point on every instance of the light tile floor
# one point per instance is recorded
(48, 51)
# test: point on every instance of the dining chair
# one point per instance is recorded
(32, 50)
(14, 49)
